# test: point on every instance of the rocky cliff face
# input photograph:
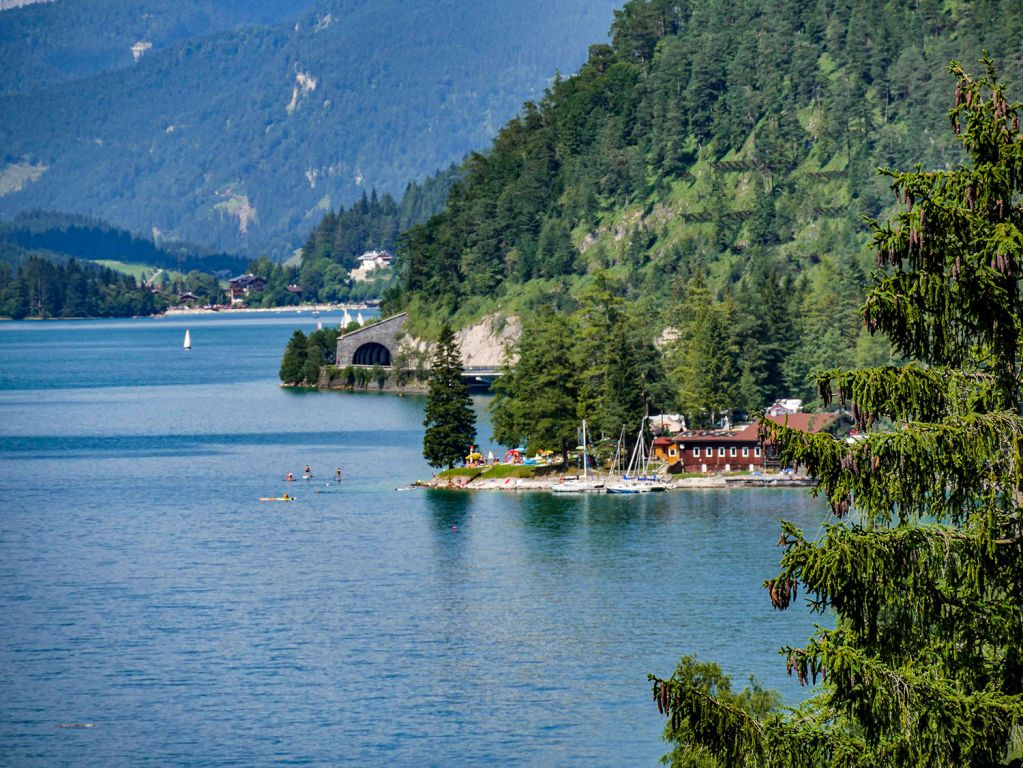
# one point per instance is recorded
(483, 344)
(486, 343)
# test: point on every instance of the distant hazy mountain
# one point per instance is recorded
(59, 40)
(241, 139)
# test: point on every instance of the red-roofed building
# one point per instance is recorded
(738, 450)
(804, 422)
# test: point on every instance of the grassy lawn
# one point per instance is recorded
(135, 270)
(469, 472)
(501, 471)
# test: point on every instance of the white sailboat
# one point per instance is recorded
(188, 340)
(586, 482)
(359, 320)
(346, 320)
(632, 482)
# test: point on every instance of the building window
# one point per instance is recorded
(672, 452)
(745, 450)
(731, 451)
(721, 451)
(756, 452)
(696, 453)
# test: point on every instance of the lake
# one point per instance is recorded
(146, 592)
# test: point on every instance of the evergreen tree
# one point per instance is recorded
(293, 362)
(923, 571)
(535, 403)
(705, 367)
(450, 420)
(313, 361)
(711, 681)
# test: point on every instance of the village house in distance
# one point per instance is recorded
(369, 263)
(241, 287)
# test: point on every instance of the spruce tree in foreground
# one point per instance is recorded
(923, 569)
(450, 420)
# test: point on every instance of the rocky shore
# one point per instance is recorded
(463, 482)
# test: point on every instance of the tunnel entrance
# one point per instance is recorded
(372, 354)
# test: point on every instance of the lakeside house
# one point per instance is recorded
(241, 287)
(733, 450)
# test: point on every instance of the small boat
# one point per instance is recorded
(188, 340)
(585, 483)
(277, 498)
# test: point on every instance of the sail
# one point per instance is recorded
(346, 320)
(359, 320)
(188, 340)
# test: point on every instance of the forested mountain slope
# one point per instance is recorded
(243, 139)
(77, 237)
(52, 42)
(713, 164)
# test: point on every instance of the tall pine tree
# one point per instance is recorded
(450, 420)
(923, 570)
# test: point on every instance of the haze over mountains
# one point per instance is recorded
(238, 125)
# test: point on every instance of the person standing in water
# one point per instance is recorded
(339, 474)
(308, 472)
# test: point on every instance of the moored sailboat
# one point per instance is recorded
(631, 482)
(584, 483)
(188, 340)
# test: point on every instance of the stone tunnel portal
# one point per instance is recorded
(372, 353)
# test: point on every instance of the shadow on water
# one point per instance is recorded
(552, 514)
(618, 513)
(448, 508)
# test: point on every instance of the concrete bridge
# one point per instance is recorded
(481, 376)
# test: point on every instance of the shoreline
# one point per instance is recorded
(175, 311)
(186, 311)
(706, 482)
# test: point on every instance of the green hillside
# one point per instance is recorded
(243, 139)
(708, 173)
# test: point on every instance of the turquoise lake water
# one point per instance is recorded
(147, 592)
